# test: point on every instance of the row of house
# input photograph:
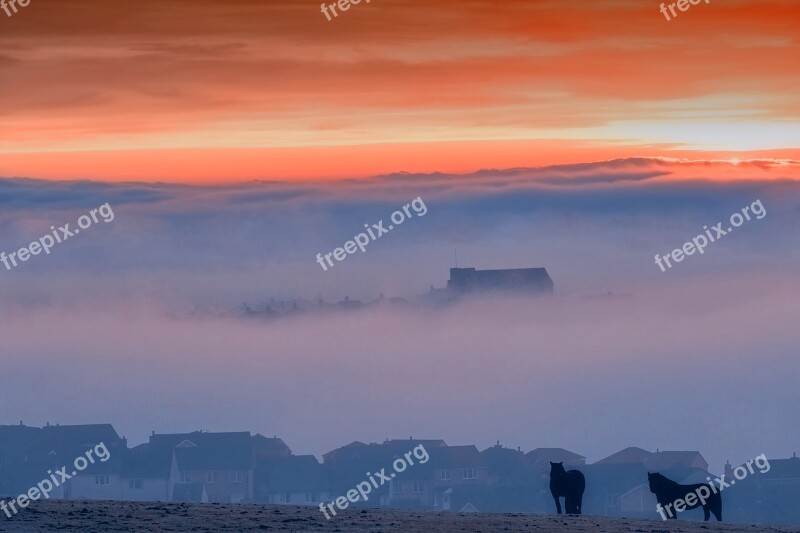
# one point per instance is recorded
(241, 467)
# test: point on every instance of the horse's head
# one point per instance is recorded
(556, 469)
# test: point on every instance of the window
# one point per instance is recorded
(185, 477)
(398, 487)
(237, 477)
(419, 486)
(102, 479)
(312, 497)
(469, 473)
(135, 483)
(445, 475)
(211, 477)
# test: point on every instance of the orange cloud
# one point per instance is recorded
(213, 91)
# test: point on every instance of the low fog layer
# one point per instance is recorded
(135, 321)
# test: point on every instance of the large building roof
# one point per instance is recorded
(515, 279)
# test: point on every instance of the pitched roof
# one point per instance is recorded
(631, 454)
(18, 437)
(208, 451)
(271, 446)
(174, 439)
(668, 459)
(781, 469)
(503, 461)
(76, 438)
(556, 455)
(215, 451)
(148, 461)
(657, 461)
(386, 450)
(457, 457)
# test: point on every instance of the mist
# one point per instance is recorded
(137, 321)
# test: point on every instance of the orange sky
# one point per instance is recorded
(199, 91)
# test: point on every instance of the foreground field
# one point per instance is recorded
(127, 516)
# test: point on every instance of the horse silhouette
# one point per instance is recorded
(569, 485)
(668, 491)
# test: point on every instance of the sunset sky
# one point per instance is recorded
(224, 91)
(582, 136)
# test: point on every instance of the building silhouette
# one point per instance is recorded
(471, 280)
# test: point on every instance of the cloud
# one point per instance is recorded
(271, 76)
(155, 296)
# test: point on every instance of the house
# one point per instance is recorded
(17, 473)
(101, 480)
(292, 480)
(27, 453)
(611, 489)
(347, 466)
(765, 496)
(470, 280)
(146, 475)
(453, 467)
(503, 463)
(617, 485)
(224, 463)
(639, 502)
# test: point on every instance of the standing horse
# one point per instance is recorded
(569, 485)
(668, 492)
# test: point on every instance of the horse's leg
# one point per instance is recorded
(706, 512)
(569, 505)
(558, 503)
(579, 503)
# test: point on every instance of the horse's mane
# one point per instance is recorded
(662, 480)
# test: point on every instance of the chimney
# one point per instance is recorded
(728, 469)
(20, 423)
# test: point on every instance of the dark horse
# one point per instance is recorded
(569, 485)
(693, 496)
